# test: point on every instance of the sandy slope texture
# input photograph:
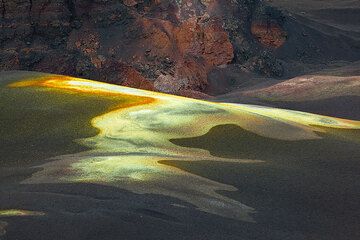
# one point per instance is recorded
(90, 160)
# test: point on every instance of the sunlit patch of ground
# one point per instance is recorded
(134, 137)
(19, 212)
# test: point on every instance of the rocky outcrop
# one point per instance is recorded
(134, 43)
(165, 45)
(268, 34)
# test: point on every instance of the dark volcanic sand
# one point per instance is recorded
(305, 190)
(343, 107)
(308, 188)
(55, 131)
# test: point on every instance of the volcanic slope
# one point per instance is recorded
(91, 160)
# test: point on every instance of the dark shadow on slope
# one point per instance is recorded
(309, 188)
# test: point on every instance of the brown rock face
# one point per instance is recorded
(189, 50)
(163, 45)
(130, 3)
(205, 38)
(166, 45)
(131, 78)
(268, 34)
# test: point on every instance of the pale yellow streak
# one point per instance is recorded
(300, 117)
(19, 212)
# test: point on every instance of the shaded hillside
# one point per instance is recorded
(85, 160)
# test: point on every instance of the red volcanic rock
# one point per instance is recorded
(132, 78)
(166, 45)
(192, 74)
(130, 3)
(204, 39)
(189, 75)
(177, 40)
(268, 34)
(124, 74)
(63, 63)
(185, 35)
(193, 94)
(193, 47)
(85, 40)
(218, 49)
(157, 36)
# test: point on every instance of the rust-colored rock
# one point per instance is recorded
(193, 73)
(132, 78)
(193, 94)
(206, 39)
(130, 3)
(166, 45)
(190, 50)
(63, 62)
(268, 34)
(124, 74)
(85, 40)
(218, 49)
